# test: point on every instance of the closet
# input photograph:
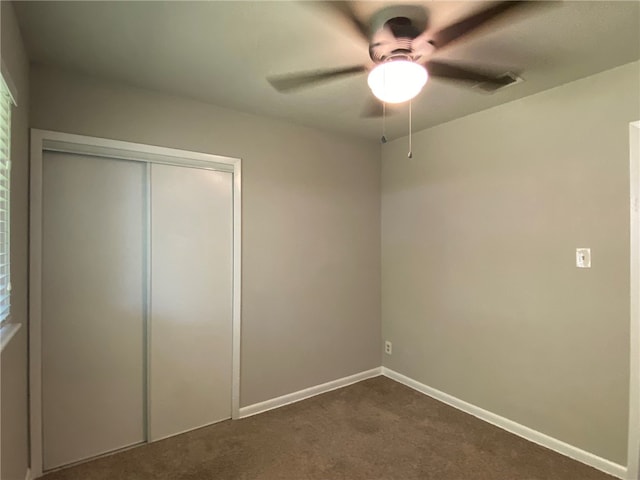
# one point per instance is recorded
(136, 300)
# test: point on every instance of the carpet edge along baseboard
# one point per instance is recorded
(544, 440)
(294, 397)
(518, 429)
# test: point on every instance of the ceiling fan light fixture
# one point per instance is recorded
(397, 81)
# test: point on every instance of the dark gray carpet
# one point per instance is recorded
(373, 430)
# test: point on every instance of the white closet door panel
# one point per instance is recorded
(191, 299)
(93, 306)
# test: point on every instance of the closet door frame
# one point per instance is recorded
(46, 140)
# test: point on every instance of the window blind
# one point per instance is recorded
(5, 179)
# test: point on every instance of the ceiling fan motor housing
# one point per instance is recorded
(397, 32)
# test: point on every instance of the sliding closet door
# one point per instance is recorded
(93, 304)
(191, 298)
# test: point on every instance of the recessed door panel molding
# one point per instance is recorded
(191, 298)
(93, 307)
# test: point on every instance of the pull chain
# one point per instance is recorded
(410, 154)
(384, 123)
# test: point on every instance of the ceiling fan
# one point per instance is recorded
(401, 46)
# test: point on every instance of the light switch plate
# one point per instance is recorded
(583, 257)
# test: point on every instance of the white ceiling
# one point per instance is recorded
(221, 52)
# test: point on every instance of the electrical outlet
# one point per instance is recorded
(388, 347)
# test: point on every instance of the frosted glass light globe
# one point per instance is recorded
(397, 81)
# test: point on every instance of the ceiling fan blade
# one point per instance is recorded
(345, 10)
(467, 25)
(467, 74)
(295, 81)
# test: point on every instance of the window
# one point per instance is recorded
(5, 170)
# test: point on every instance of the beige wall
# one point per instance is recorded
(480, 293)
(13, 379)
(311, 223)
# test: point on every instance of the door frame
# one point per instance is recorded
(633, 453)
(46, 140)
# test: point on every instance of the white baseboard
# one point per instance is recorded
(307, 392)
(510, 426)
